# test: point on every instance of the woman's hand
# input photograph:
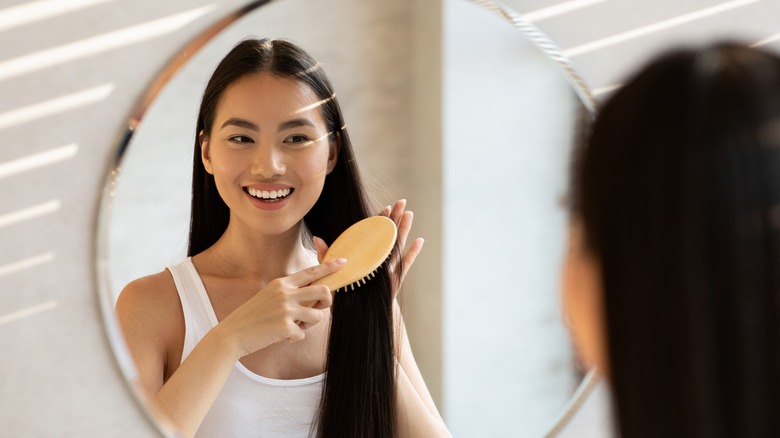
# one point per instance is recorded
(281, 311)
(399, 265)
(403, 222)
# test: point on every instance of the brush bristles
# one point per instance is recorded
(353, 286)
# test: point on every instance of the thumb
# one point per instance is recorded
(322, 248)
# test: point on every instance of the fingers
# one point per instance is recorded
(404, 226)
(413, 252)
(315, 296)
(309, 275)
(411, 256)
(395, 212)
(403, 220)
(311, 302)
(321, 246)
(324, 304)
(306, 317)
(398, 210)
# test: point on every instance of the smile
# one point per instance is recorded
(269, 196)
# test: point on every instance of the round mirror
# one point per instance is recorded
(449, 106)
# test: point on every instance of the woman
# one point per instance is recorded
(673, 282)
(233, 342)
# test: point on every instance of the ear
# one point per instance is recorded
(335, 147)
(205, 153)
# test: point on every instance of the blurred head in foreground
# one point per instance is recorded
(672, 284)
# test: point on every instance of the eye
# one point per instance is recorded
(296, 139)
(242, 139)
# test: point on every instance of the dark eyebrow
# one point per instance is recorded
(295, 123)
(241, 123)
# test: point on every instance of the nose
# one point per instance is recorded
(268, 161)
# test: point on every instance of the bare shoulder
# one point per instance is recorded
(148, 299)
(150, 315)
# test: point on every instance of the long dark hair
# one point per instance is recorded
(358, 398)
(679, 193)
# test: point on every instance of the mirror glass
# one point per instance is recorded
(510, 121)
(501, 363)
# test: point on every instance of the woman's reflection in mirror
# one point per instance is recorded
(233, 341)
(672, 286)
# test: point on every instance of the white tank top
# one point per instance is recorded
(249, 405)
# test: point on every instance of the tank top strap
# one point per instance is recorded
(199, 316)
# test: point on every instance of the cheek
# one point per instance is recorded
(226, 164)
(570, 302)
(226, 171)
(223, 178)
(582, 308)
(315, 165)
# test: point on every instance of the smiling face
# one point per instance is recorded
(269, 151)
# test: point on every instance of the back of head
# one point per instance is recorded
(678, 190)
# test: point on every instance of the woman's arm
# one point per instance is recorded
(417, 413)
(413, 417)
(189, 393)
(152, 321)
(409, 364)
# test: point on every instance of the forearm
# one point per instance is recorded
(409, 364)
(413, 416)
(189, 393)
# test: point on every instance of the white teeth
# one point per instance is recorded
(264, 194)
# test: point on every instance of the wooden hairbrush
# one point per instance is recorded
(366, 245)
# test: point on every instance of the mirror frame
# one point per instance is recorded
(102, 274)
(547, 47)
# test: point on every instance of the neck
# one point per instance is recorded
(264, 257)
